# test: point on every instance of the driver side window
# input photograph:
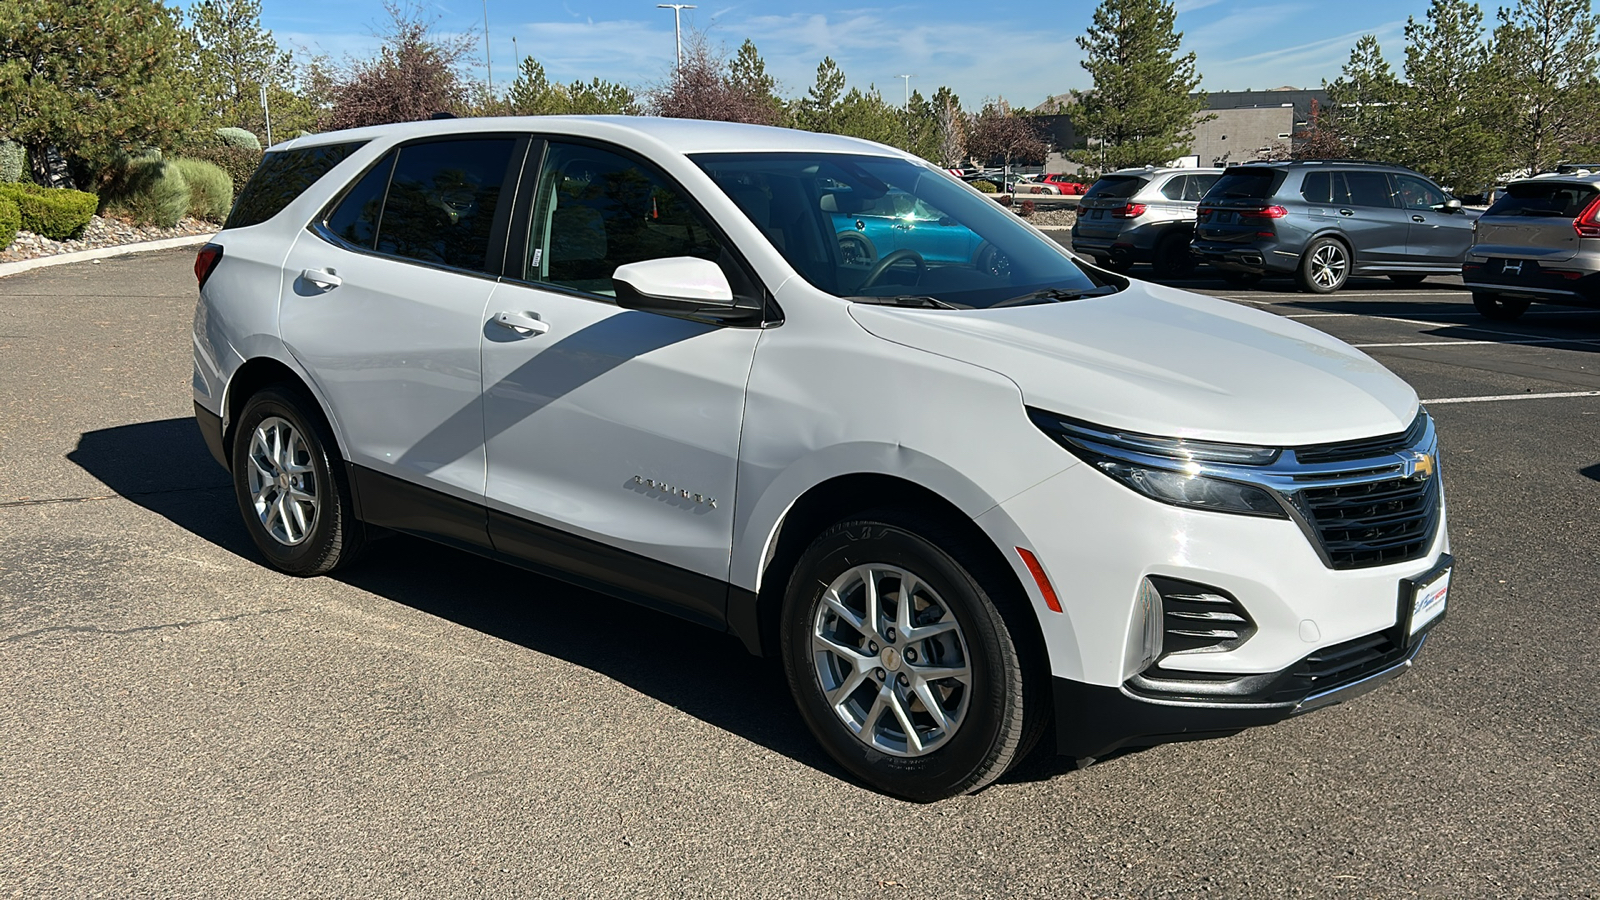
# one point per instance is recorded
(597, 210)
(1418, 194)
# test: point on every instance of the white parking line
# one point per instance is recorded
(1531, 312)
(1437, 402)
(1467, 343)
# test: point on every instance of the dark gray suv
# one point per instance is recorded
(1325, 220)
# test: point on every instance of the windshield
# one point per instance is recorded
(881, 229)
(1544, 198)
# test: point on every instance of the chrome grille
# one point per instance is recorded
(1345, 451)
(1373, 523)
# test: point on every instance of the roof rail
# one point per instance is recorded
(1328, 161)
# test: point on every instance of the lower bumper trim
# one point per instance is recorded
(211, 430)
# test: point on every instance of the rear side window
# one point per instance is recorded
(1544, 198)
(1173, 189)
(1369, 189)
(1188, 187)
(1246, 184)
(282, 176)
(1115, 188)
(442, 200)
(355, 219)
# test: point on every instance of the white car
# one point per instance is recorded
(973, 501)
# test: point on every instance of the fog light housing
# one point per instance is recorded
(1144, 631)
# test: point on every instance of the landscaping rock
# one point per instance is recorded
(101, 232)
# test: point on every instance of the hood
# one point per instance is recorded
(1162, 361)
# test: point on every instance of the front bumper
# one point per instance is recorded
(1092, 720)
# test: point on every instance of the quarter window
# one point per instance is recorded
(355, 219)
(597, 210)
(442, 199)
(1174, 188)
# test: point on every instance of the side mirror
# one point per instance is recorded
(1452, 205)
(685, 287)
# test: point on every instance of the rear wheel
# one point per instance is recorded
(901, 662)
(1498, 308)
(291, 488)
(1172, 257)
(1407, 279)
(1324, 267)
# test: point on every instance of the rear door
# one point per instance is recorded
(1436, 236)
(384, 306)
(1376, 226)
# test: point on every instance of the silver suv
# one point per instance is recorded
(1142, 215)
(1539, 241)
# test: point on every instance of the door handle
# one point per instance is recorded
(526, 324)
(1347, 212)
(326, 279)
(1418, 219)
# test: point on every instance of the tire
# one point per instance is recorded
(1240, 279)
(1120, 266)
(305, 524)
(985, 723)
(1172, 258)
(1498, 308)
(1407, 279)
(1324, 267)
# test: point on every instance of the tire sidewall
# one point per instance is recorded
(310, 554)
(937, 774)
(1309, 283)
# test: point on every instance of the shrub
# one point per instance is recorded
(986, 187)
(238, 162)
(210, 189)
(150, 192)
(55, 213)
(13, 162)
(1027, 209)
(239, 137)
(10, 221)
(1004, 200)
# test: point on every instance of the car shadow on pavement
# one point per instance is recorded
(164, 466)
(1591, 472)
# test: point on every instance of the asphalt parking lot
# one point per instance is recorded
(177, 720)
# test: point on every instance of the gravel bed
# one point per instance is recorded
(1053, 218)
(101, 232)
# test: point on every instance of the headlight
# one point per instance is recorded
(1171, 470)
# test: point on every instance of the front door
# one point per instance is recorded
(612, 434)
(1436, 236)
(1370, 217)
(384, 304)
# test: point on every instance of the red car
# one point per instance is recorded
(1064, 182)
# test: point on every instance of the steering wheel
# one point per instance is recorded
(889, 259)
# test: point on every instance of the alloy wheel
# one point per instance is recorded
(891, 659)
(1328, 265)
(283, 481)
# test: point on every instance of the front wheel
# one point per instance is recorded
(901, 662)
(1498, 308)
(292, 490)
(1324, 268)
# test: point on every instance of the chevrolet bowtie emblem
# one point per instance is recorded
(1419, 466)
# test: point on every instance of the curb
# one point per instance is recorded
(61, 259)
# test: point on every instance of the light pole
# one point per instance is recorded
(908, 90)
(266, 113)
(488, 62)
(677, 24)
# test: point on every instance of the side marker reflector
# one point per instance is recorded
(1039, 578)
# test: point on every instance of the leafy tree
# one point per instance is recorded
(703, 87)
(998, 133)
(1545, 54)
(532, 94)
(1454, 103)
(1367, 100)
(92, 77)
(1142, 108)
(1321, 138)
(415, 74)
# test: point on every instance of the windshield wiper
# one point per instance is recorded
(909, 300)
(1056, 295)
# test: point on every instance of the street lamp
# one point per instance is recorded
(908, 89)
(677, 23)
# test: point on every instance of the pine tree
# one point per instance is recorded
(93, 77)
(1545, 54)
(237, 56)
(817, 110)
(1450, 133)
(1367, 114)
(756, 91)
(1140, 110)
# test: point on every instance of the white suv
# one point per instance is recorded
(972, 492)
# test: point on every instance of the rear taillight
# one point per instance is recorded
(1265, 212)
(1131, 211)
(1587, 224)
(205, 262)
(1203, 213)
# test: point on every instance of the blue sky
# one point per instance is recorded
(1022, 51)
